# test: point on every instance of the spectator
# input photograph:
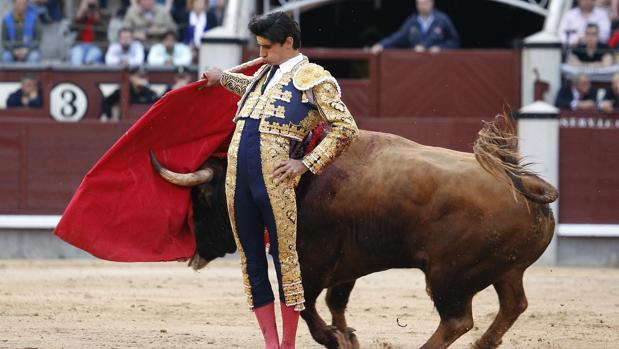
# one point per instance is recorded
(126, 51)
(178, 11)
(116, 20)
(170, 52)
(573, 24)
(218, 7)
(21, 34)
(182, 77)
(48, 10)
(148, 21)
(28, 96)
(139, 93)
(428, 30)
(90, 24)
(578, 96)
(591, 53)
(196, 22)
(610, 102)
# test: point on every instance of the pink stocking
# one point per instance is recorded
(266, 319)
(290, 320)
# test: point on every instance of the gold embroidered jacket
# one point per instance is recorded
(295, 106)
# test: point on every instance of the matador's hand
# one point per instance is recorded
(212, 75)
(287, 169)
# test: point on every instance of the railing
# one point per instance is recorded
(76, 93)
(404, 84)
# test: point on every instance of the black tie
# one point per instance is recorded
(269, 77)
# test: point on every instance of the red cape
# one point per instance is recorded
(123, 211)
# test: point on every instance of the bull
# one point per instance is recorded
(467, 220)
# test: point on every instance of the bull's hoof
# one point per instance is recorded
(196, 262)
(483, 344)
(354, 343)
(346, 340)
(329, 336)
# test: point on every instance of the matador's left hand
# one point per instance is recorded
(288, 169)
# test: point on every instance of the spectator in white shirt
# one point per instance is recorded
(125, 52)
(170, 52)
(573, 24)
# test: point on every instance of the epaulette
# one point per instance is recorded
(310, 75)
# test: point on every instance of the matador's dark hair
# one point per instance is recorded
(276, 26)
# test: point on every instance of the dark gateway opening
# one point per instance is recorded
(359, 23)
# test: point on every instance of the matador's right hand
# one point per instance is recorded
(212, 75)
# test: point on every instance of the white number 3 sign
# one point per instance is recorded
(68, 103)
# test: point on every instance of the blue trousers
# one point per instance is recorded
(253, 212)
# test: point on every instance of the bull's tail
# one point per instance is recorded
(496, 150)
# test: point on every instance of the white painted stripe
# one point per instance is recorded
(50, 222)
(29, 221)
(588, 230)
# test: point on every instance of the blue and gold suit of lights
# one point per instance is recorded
(266, 126)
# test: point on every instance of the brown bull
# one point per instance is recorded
(466, 220)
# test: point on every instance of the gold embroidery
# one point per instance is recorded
(338, 105)
(250, 99)
(233, 150)
(310, 75)
(289, 130)
(252, 106)
(274, 149)
(311, 121)
(235, 82)
(285, 96)
(343, 127)
(279, 112)
(256, 106)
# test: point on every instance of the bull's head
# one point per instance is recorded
(210, 216)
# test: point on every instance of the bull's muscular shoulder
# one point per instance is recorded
(310, 75)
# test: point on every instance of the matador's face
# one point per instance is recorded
(272, 52)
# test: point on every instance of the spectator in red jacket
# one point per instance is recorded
(90, 24)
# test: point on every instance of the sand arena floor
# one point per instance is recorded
(96, 304)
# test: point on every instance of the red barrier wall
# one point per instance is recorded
(44, 161)
(447, 132)
(589, 168)
(456, 84)
(437, 100)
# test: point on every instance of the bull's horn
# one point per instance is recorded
(182, 179)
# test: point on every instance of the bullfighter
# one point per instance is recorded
(280, 106)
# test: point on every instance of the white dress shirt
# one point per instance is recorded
(284, 68)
